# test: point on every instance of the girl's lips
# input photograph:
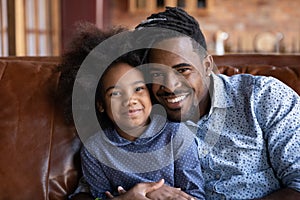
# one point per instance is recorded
(133, 112)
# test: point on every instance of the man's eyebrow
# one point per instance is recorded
(174, 66)
(180, 65)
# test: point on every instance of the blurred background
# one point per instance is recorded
(44, 27)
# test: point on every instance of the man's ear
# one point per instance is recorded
(208, 64)
(100, 107)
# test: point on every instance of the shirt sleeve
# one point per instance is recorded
(278, 112)
(188, 174)
(94, 175)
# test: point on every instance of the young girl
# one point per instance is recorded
(134, 145)
(137, 148)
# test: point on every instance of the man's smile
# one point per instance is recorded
(174, 102)
(176, 99)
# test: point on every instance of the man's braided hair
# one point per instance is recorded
(176, 19)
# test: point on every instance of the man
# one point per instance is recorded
(249, 126)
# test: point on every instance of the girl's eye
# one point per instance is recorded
(139, 89)
(155, 75)
(116, 93)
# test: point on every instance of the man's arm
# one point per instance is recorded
(168, 192)
(286, 194)
(282, 134)
(153, 190)
(138, 192)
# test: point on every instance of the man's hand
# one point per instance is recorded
(167, 192)
(138, 192)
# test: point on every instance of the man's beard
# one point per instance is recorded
(192, 114)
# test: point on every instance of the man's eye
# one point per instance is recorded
(183, 70)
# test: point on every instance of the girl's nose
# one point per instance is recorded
(130, 100)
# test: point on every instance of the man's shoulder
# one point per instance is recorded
(241, 82)
(242, 79)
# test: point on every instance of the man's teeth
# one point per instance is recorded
(176, 100)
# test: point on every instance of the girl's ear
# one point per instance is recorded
(100, 107)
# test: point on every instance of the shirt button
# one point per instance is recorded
(218, 176)
(205, 152)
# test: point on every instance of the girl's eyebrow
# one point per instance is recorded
(137, 82)
(114, 86)
(109, 88)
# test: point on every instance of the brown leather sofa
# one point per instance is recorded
(39, 151)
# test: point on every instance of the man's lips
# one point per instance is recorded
(174, 102)
(176, 99)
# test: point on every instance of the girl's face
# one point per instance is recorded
(126, 98)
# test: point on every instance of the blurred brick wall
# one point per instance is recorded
(241, 19)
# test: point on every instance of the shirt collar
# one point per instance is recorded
(155, 127)
(220, 94)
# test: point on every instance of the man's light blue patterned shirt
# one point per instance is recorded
(250, 140)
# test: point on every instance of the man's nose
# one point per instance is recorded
(172, 81)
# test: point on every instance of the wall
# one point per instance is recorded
(73, 12)
(242, 20)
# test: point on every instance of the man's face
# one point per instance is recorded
(180, 79)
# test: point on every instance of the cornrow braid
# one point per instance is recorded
(176, 19)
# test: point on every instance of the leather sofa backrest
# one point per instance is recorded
(283, 67)
(39, 152)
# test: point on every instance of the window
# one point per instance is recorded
(140, 4)
(181, 3)
(160, 3)
(201, 3)
(40, 25)
(3, 28)
(198, 6)
(31, 29)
